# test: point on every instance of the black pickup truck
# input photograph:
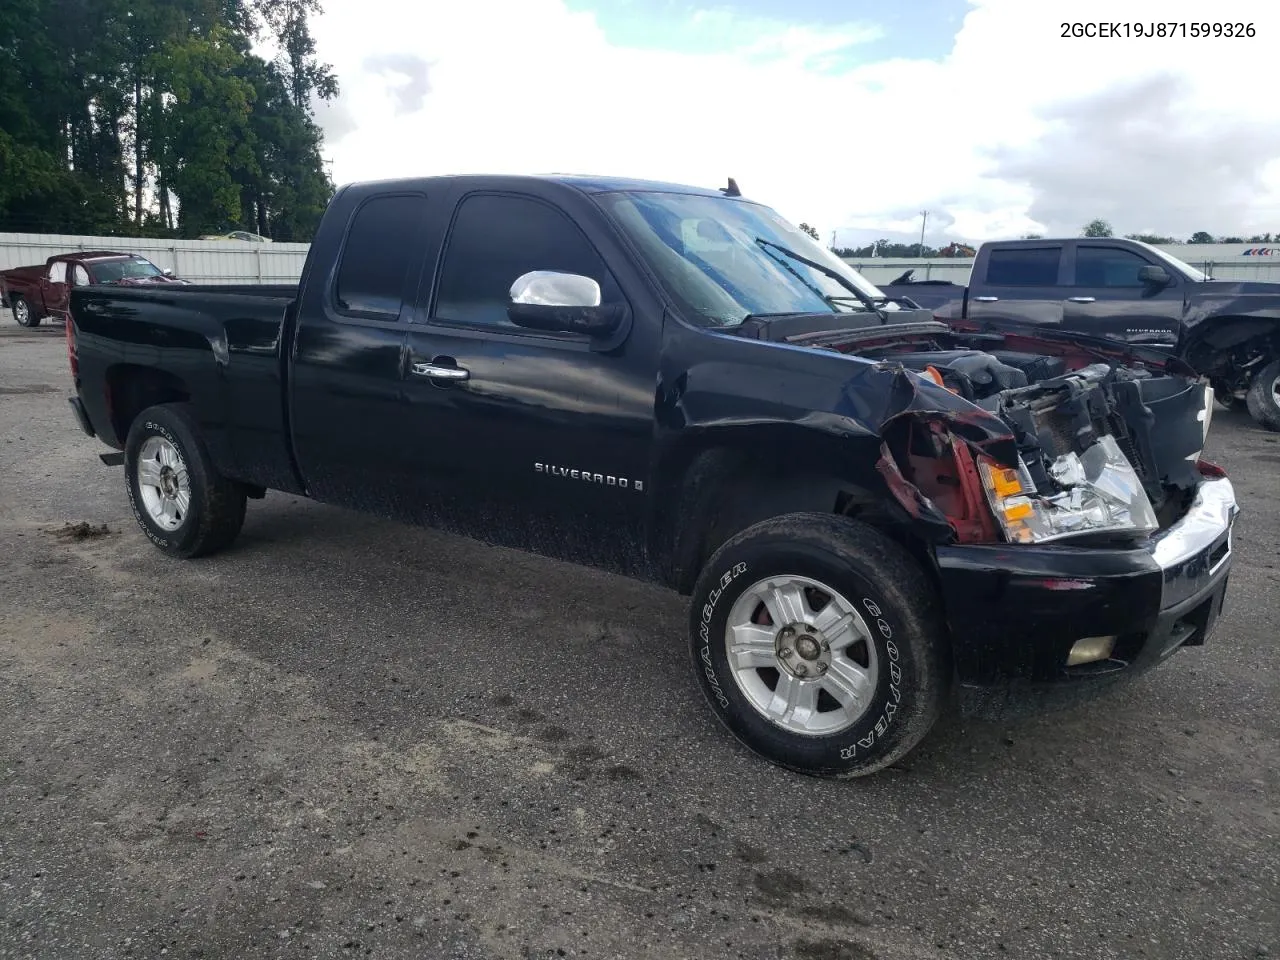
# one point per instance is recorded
(1228, 330)
(866, 507)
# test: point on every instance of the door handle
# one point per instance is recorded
(986, 299)
(1081, 299)
(436, 372)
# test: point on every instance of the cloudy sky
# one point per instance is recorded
(851, 115)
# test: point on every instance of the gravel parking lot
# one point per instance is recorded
(345, 737)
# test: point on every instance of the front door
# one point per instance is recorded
(1107, 298)
(54, 289)
(1022, 285)
(532, 440)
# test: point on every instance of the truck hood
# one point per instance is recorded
(1236, 288)
(145, 281)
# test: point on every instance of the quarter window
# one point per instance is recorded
(380, 248)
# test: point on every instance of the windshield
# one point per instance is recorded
(724, 260)
(111, 271)
(1185, 269)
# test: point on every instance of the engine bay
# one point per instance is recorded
(1072, 424)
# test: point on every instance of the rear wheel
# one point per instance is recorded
(819, 644)
(23, 313)
(1264, 396)
(182, 503)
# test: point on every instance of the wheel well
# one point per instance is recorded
(724, 490)
(131, 389)
(1229, 345)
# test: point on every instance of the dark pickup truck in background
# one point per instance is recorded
(44, 290)
(1228, 330)
(676, 384)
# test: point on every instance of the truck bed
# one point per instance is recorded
(223, 343)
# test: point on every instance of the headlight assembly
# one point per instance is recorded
(1101, 494)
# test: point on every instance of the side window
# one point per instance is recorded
(1024, 267)
(58, 272)
(377, 255)
(79, 276)
(497, 239)
(1107, 267)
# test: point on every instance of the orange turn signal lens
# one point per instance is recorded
(1019, 511)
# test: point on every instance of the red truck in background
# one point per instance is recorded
(44, 290)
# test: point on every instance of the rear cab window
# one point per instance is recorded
(381, 249)
(1024, 266)
(497, 238)
(58, 271)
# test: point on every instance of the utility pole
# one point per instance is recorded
(924, 218)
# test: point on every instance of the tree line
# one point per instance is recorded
(1094, 228)
(156, 118)
(1102, 228)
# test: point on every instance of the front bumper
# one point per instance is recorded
(1015, 611)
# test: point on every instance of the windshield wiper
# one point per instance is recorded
(869, 302)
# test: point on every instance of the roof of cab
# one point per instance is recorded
(583, 182)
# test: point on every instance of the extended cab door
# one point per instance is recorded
(539, 441)
(1108, 298)
(1020, 283)
(348, 351)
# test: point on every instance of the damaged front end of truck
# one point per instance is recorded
(1051, 443)
(1075, 529)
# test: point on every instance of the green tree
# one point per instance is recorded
(155, 116)
(1097, 228)
(1153, 238)
(811, 231)
(1201, 237)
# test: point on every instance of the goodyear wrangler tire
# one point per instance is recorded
(184, 506)
(819, 643)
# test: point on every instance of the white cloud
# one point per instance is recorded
(1017, 129)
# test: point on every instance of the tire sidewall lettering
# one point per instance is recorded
(704, 631)
(893, 655)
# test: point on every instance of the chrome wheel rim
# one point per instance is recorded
(1275, 391)
(802, 655)
(164, 483)
(21, 312)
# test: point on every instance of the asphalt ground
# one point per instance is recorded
(345, 737)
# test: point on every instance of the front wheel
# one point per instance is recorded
(1263, 397)
(819, 643)
(184, 506)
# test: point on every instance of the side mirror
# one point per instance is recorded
(1154, 276)
(562, 303)
(168, 273)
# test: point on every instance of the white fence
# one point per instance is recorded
(233, 261)
(200, 261)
